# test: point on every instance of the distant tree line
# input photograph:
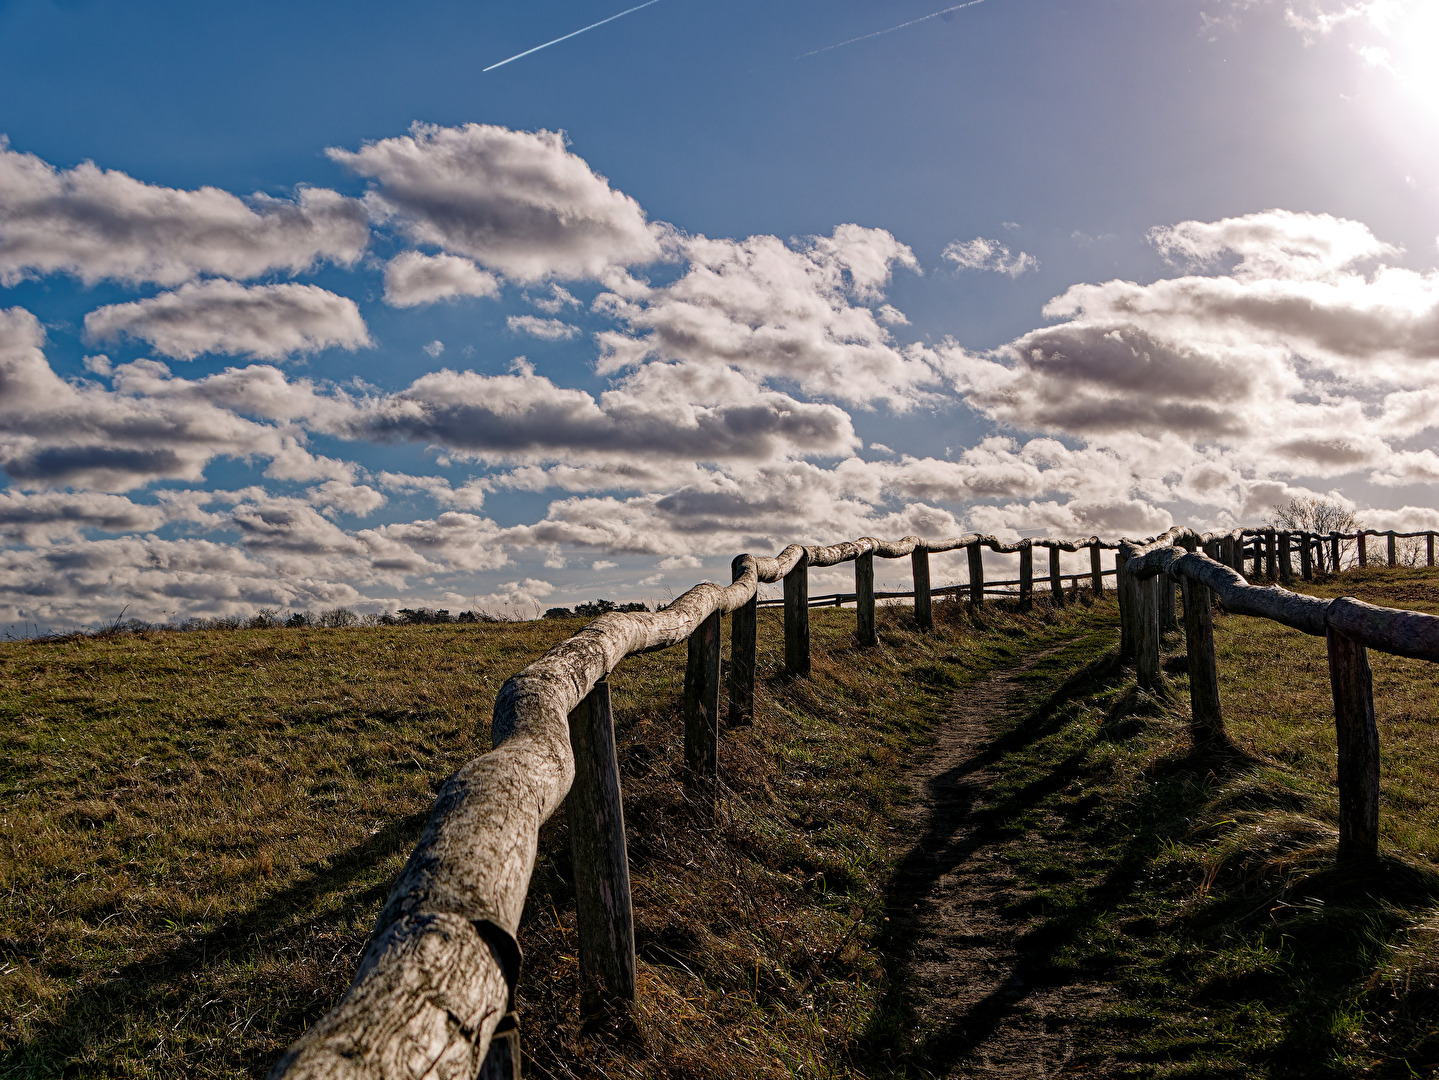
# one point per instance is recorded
(591, 609)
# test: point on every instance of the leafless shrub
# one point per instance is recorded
(338, 618)
(1305, 513)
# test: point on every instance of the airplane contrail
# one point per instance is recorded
(890, 29)
(576, 33)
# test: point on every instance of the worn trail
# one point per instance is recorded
(953, 932)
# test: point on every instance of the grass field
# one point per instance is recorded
(198, 830)
(1201, 883)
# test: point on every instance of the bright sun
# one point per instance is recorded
(1411, 52)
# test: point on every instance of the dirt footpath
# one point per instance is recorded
(955, 949)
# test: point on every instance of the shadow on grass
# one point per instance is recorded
(282, 921)
(1328, 928)
(965, 825)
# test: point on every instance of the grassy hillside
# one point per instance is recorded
(197, 830)
(1201, 884)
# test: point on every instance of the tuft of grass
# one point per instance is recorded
(197, 831)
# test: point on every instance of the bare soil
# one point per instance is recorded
(954, 930)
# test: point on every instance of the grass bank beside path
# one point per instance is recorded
(197, 831)
(1200, 882)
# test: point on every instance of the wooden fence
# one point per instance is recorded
(434, 991)
(1149, 571)
(433, 994)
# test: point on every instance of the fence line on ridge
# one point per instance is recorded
(434, 991)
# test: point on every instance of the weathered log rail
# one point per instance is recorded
(433, 992)
(438, 974)
(1350, 628)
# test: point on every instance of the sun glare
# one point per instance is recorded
(1411, 52)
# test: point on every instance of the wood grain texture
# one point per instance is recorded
(1123, 585)
(1358, 741)
(864, 599)
(923, 604)
(595, 815)
(976, 575)
(1026, 577)
(796, 621)
(701, 712)
(1147, 633)
(744, 642)
(1096, 571)
(1056, 583)
(1206, 717)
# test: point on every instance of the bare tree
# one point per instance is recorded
(1305, 513)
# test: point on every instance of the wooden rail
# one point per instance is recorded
(433, 994)
(1350, 628)
(438, 975)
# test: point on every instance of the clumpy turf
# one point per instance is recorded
(197, 831)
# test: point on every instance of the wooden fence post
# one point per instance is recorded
(1271, 557)
(1258, 559)
(744, 636)
(1226, 550)
(1206, 719)
(1147, 636)
(702, 671)
(864, 599)
(1026, 575)
(1353, 688)
(1167, 618)
(1286, 561)
(601, 866)
(1393, 554)
(1056, 583)
(1124, 589)
(1334, 552)
(923, 607)
(1429, 544)
(502, 1060)
(1306, 557)
(1096, 569)
(976, 575)
(1319, 559)
(796, 619)
(1363, 548)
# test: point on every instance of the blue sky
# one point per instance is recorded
(333, 316)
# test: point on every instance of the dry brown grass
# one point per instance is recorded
(198, 830)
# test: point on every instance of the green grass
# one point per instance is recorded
(197, 831)
(1200, 882)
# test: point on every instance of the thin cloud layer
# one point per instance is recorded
(982, 254)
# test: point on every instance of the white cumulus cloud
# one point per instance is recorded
(225, 317)
(518, 202)
(99, 223)
(413, 278)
